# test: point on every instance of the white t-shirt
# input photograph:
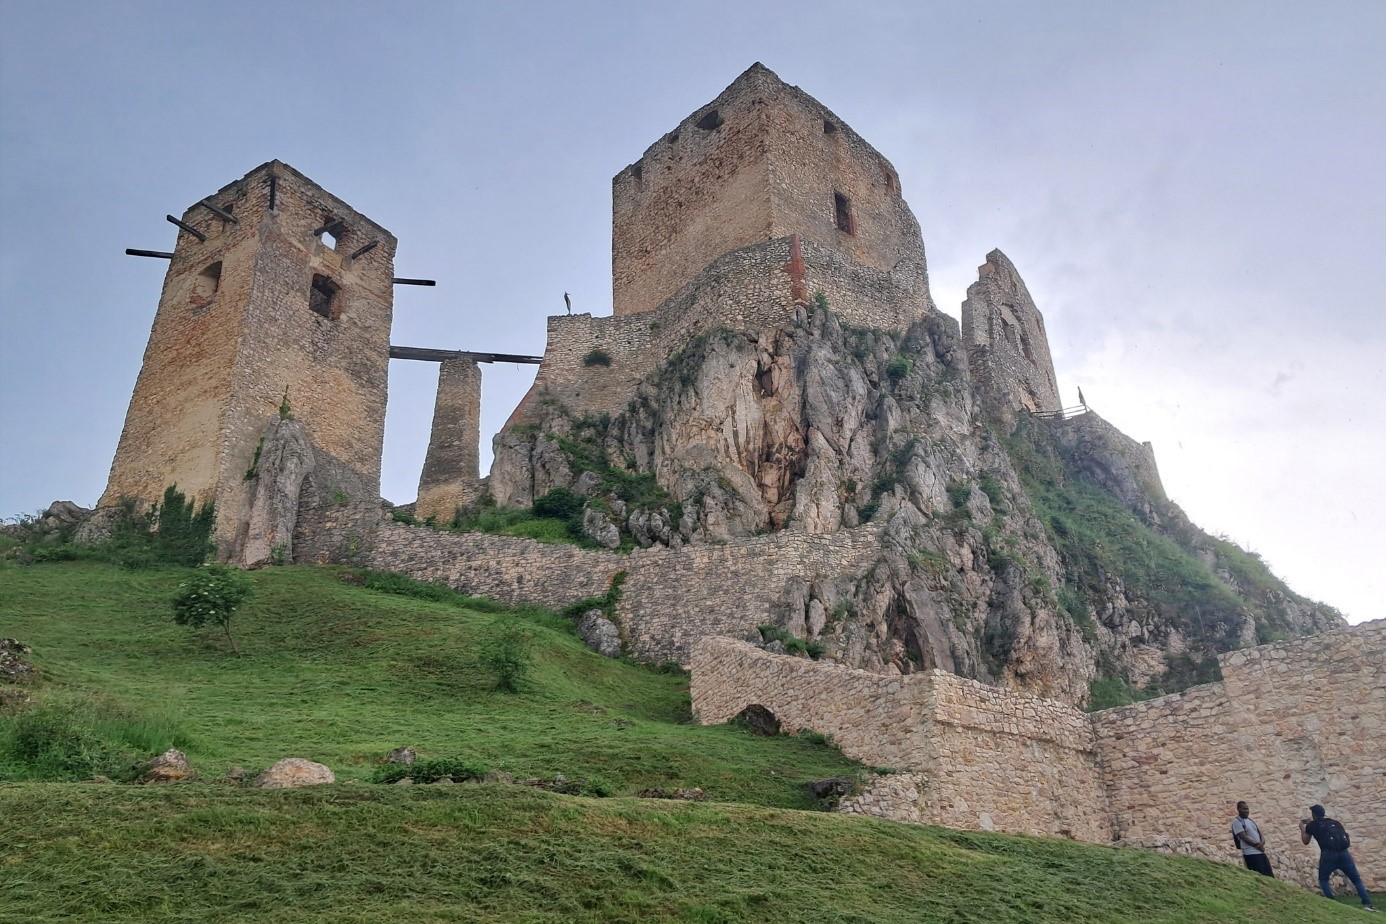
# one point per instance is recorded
(1245, 827)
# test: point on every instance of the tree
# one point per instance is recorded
(210, 598)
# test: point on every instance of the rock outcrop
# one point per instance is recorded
(292, 772)
(1034, 552)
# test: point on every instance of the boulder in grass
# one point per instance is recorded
(404, 756)
(292, 772)
(169, 767)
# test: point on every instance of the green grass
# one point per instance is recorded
(343, 853)
(339, 672)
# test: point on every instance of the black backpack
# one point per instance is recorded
(1332, 835)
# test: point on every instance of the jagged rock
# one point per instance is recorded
(404, 781)
(600, 633)
(292, 772)
(775, 646)
(587, 484)
(834, 787)
(169, 767)
(695, 794)
(285, 459)
(814, 427)
(497, 776)
(404, 756)
(598, 527)
(761, 720)
(14, 662)
(98, 527)
(236, 775)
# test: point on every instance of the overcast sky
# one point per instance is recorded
(1193, 193)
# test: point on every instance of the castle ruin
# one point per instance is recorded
(826, 454)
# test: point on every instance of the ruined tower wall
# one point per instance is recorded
(1008, 348)
(451, 468)
(217, 364)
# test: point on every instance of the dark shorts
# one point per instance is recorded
(1258, 862)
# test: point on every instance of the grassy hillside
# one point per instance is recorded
(339, 673)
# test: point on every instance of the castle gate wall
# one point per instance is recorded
(1291, 724)
(670, 598)
(978, 757)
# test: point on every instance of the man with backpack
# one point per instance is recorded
(1333, 852)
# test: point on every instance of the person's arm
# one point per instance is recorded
(1258, 844)
(1304, 830)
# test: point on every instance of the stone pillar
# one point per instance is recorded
(451, 468)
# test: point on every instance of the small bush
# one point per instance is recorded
(210, 598)
(429, 771)
(898, 368)
(506, 655)
(597, 358)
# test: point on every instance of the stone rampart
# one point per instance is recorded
(1291, 724)
(670, 598)
(592, 365)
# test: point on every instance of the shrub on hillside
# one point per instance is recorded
(78, 739)
(506, 654)
(210, 598)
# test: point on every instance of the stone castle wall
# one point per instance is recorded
(751, 289)
(981, 757)
(1291, 724)
(671, 598)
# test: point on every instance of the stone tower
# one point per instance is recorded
(280, 288)
(1007, 347)
(764, 160)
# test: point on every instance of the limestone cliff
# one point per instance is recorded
(1036, 553)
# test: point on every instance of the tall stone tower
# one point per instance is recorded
(764, 160)
(279, 289)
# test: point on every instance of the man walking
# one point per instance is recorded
(1333, 852)
(1247, 835)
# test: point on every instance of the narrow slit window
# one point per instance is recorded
(322, 297)
(842, 208)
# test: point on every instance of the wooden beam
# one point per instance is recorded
(188, 228)
(423, 354)
(161, 254)
(414, 282)
(224, 216)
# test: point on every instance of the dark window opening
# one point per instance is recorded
(710, 121)
(674, 138)
(638, 172)
(206, 284)
(322, 297)
(329, 237)
(829, 128)
(842, 208)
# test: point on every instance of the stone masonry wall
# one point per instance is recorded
(234, 330)
(981, 757)
(451, 475)
(1291, 724)
(751, 289)
(671, 598)
(764, 160)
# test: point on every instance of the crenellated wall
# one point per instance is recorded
(1290, 725)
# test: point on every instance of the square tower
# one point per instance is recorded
(283, 290)
(764, 160)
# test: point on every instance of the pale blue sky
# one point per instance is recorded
(1192, 191)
